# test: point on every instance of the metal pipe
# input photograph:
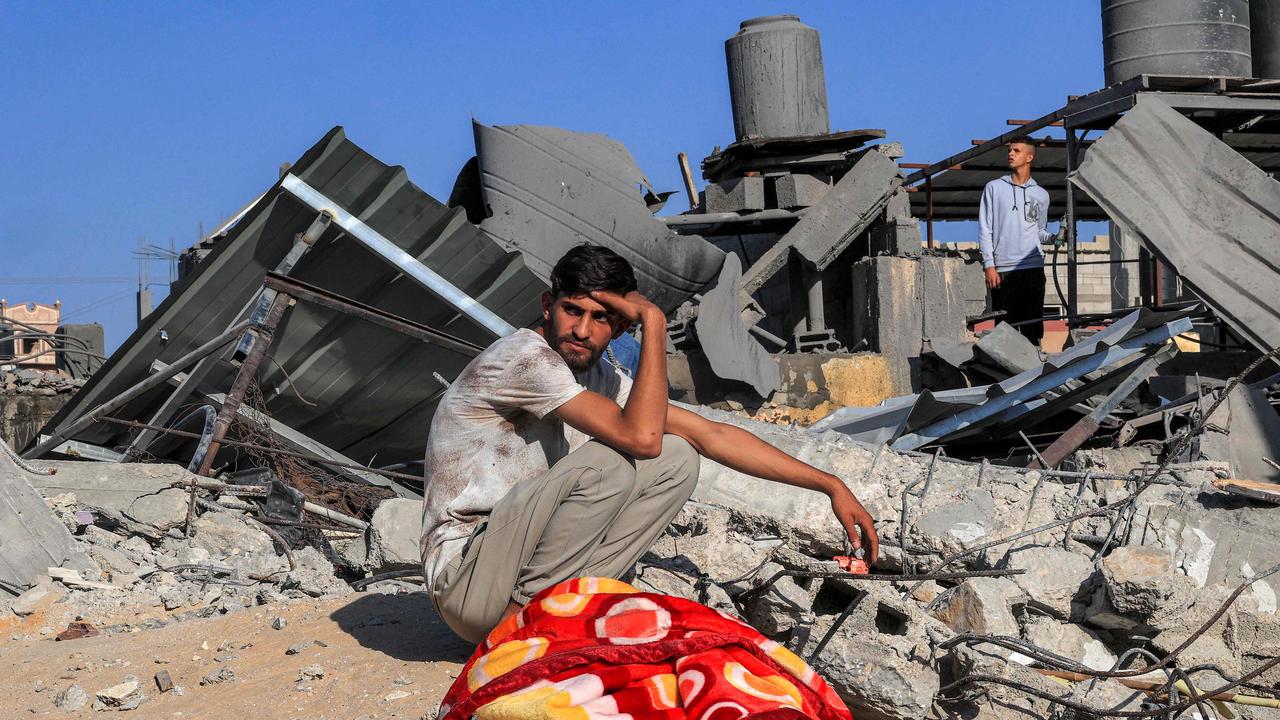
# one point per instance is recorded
(398, 258)
(159, 378)
(928, 214)
(248, 369)
(334, 515)
(690, 189)
(1073, 297)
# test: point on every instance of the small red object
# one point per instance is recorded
(853, 565)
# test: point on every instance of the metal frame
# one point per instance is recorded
(1206, 100)
(396, 257)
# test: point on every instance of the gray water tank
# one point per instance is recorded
(776, 83)
(1175, 37)
(1264, 38)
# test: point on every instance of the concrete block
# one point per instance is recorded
(1055, 579)
(745, 193)
(37, 598)
(797, 191)
(1142, 581)
(980, 605)
(398, 526)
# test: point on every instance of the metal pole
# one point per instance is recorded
(1073, 297)
(159, 378)
(928, 214)
(248, 369)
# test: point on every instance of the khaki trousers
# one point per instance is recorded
(594, 513)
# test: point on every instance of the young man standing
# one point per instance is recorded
(1011, 228)
(545, 463)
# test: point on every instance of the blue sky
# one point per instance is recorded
(129, 121)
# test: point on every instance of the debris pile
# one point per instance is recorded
(992, 580)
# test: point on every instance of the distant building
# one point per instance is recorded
(28, 339)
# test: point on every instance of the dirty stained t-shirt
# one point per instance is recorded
(493, 429)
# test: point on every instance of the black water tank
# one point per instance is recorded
(1175, 37)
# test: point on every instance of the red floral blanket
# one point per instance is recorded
(595, 648)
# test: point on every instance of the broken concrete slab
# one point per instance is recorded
(828, 227)
(397, 526)
(730, 349)
(227, 535)
(139, 491)
(1138, 173)
(980, 605)
(38, 597)
(33, 539)
(1068, 640)
(1142, 581)
(550, 189)
(1055, 580)
(900, 302)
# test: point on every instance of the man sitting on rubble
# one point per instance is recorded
(546, 463)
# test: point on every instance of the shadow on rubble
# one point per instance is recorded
(404, 627)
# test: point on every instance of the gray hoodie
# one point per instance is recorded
(1011, 222)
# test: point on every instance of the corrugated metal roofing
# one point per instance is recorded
(360, 389)
(1204, 208)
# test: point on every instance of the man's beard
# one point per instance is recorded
(577, 363)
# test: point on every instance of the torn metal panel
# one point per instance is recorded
(1253, 435)
(1200, 206)
(548, 190)
(828, 227)
(731, 351)
(32, 540)
(365, 391)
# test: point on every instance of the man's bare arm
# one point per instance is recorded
(739, 450)
(637, 428)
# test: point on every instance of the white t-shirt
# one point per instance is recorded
(493, 429)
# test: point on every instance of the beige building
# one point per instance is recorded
(33, 326)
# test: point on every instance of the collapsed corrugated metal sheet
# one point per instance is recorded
(1200, 205)
(548, 189)
(358, 388)
(919, 420)
(731, 351)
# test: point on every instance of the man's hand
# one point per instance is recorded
(632, 307)
(993, 279)
(857, 523)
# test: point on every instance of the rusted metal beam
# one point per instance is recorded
(248, 369)
(319, 296)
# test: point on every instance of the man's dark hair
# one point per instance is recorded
(1023, 140)
(592, 267)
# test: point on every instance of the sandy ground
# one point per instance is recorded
(384, 656)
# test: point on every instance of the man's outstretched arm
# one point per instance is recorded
(739, 450)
